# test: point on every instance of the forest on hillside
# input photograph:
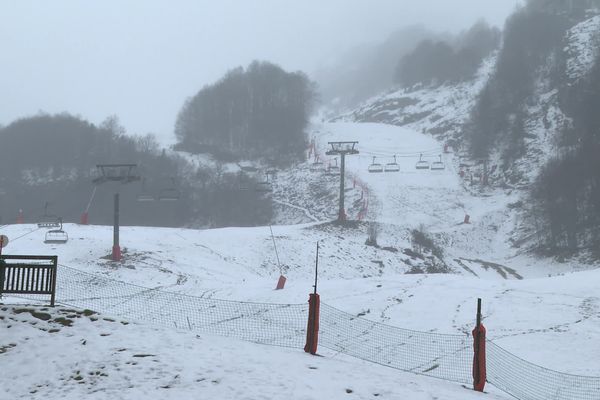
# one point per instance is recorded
(434, 62)
(565, 197)
(258, 112)
(49, 164)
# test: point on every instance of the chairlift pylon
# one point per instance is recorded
(56, 236)
(438, 165)
(393, 166)
(422, 164)
(375, 167)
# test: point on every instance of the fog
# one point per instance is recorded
(141, 59)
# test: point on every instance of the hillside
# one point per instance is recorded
(546, 125)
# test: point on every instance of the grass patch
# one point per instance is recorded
(64, 321)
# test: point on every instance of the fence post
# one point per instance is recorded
(312, 330)
(479, 367)
(314, 303)
(54, 275)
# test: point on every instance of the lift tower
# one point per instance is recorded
(117, 173)
(341, 149)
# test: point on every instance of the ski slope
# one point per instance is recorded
(97, 357)
(546, 313)
(551, 321)
(438, 201)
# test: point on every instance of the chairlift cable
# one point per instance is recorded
(276, 252)
(87, 209)
(28, 233)
(429, 153)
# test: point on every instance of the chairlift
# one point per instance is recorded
(316, 166)
(170, 193)
(264, 186)
(438, 165)
(56, 236)
(392, 167)
(422, 164)
(333, 170)
(243, 182)
(48, 221)
(375, 167)
(144, 196)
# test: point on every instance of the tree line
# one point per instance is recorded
(52, 159)
(435, 61)
(567, 191)
(258, 112)
(565, 197)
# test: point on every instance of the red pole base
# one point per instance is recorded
(479, 367)
(84, 219)
(312, 330)
(116, 253)
(20, 219)
(281, 282)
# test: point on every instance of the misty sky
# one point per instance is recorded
(141, 59)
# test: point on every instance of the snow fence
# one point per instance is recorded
(447, 357)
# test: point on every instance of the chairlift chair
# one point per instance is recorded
(316, 166)
(438, 165)
(170, 193)
(56, 236)
(392, 167)
(375, 167)
(333, 170)
(422, 164)
(144, 196)
(243, 182)
(264, 186)
(48, 221)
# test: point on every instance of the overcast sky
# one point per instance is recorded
(141, 59)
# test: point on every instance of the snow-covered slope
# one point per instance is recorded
(552, 321)
(582, 47)
(68, 354)
(503, 210)
(439, 110)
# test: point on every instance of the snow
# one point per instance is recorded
(581, 48)
(99, 357)
(438, 110)
(541, 310)
(552, 321)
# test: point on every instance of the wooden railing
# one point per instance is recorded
(28, 275)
